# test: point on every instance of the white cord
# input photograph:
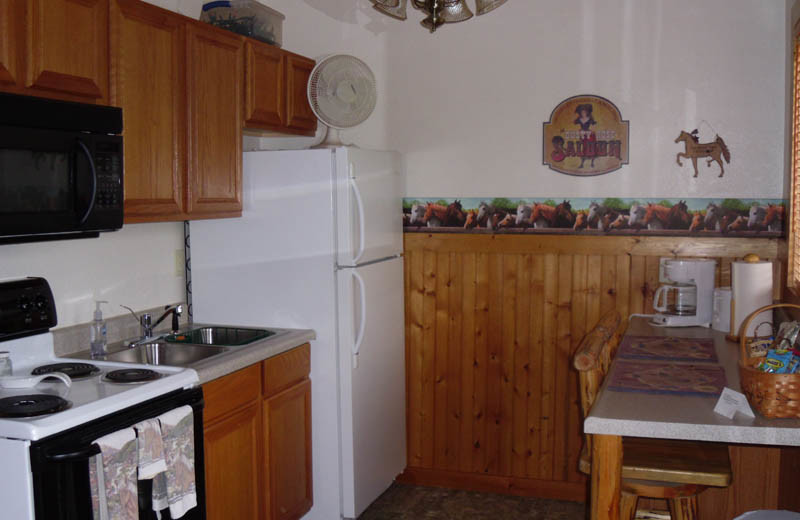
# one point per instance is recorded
(651, 322)
(708, 125)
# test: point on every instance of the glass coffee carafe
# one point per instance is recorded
(678, 299)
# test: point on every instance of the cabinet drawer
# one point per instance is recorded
(287, 369)
(228, 393)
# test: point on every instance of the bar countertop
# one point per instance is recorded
(686, 417)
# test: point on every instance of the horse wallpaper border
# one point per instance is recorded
(729, 217)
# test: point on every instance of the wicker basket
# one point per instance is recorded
(772, 395)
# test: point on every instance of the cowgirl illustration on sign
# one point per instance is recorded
(588, 138)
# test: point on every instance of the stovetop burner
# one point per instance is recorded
(31, 405)
(132, 375)
(73, 370)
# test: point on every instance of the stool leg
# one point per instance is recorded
(627, 506)
(683, 508)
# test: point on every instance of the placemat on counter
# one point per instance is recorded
(668, 349)
(652, 377)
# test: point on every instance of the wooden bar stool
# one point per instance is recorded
(653, 468)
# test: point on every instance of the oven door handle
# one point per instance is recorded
(88, 154)
(74, 456)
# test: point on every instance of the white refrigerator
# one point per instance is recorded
(319, 246)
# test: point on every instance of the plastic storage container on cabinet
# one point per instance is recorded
(246, 17)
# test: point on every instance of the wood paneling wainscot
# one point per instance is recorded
(491, 324)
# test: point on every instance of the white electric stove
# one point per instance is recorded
(47, 431)
(89, 397)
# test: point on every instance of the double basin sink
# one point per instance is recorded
(183, 349)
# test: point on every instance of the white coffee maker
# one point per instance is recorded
(686, 296)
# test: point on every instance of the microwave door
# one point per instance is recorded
(48, 181)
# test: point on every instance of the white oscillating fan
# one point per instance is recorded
(342, 94)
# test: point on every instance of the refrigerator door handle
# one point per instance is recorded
(361, 223)
(362, 325)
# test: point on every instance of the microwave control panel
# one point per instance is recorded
(108, 165)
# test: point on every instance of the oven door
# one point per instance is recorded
(49, 180)
(60, 463)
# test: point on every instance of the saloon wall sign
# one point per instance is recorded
(585, 136)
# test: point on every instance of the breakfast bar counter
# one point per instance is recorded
(684, 415)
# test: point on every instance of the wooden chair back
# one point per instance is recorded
(593, 359)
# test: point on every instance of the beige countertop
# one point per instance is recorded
(234, 357)
(686, 417)
(240, 357)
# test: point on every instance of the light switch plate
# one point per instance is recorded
(180, 263)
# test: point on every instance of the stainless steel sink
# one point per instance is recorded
(164, 354)
(225, 336)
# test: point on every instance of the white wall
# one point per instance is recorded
(134, 266)
(467, 103)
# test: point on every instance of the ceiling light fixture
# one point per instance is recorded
(438, 12)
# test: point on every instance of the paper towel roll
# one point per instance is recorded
(752, 288)
(721, 319)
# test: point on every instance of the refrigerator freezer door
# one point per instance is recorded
(368, 206)
(372, 400)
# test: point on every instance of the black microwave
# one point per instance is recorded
(61, 170)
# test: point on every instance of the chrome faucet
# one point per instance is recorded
(146, 324)
(176, 311)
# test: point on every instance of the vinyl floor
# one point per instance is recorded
(405, 502)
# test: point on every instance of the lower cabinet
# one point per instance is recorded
(257, 428)
(232, 470)
(287, 425)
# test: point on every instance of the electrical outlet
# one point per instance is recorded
(180, 263)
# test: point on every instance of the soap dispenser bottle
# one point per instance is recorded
(99, 339)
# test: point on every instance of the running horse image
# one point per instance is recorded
(694, 149)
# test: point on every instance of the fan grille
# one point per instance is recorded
(342, 91)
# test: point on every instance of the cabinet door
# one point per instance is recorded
(215, 63)
(299, 114)
(265, 103)
(287, 430)
(11, 14)
(232, 451)
(149, 83)
(67, 49)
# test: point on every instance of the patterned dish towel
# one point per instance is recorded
(112, 477)
(175, 488)
(151, 449)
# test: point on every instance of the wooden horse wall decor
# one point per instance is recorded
(694, 149)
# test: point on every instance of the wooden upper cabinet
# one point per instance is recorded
(66, 54)
(149, 82)
(215, 73)
(299, 115)
(11, 17)
(265, 100)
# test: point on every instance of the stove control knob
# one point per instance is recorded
(41, 303)
(24, 303)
